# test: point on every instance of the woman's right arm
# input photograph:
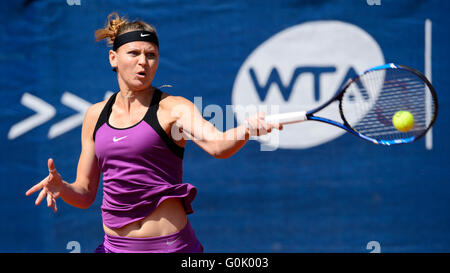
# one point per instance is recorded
(82, 192)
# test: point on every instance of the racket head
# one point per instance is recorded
(368, 103)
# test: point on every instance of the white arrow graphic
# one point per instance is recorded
(108, 94)
(73, 121)
(44, 112)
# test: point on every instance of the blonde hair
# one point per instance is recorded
(117, 25)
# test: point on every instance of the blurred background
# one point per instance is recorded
(314, 193)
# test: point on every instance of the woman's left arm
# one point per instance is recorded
(190, 124)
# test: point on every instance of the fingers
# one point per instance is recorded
(258, 126)
(51, 202)
(277, 126)
(270, 126)
(51, 165)
(40, 185)
(41, 196)
(54, 207)
(44, 187)
(36, 187)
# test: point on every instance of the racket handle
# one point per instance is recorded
(286, 118)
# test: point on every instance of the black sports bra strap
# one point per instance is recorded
(152, 119)
(154, 105)
(104, 115)
(156, 98)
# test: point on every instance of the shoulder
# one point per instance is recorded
(92, 115)
(170, 100)
(93, 112)
(176, 104)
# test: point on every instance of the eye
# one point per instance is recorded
(133, 53)
(151, 55)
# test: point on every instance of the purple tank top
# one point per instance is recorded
(141, 167)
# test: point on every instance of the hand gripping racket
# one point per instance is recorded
(368, 102)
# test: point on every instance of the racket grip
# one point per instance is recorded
(287, 118)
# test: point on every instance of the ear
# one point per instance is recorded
(113, 58)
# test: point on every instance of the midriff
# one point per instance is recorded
(168, 218)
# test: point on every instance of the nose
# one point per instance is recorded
(142, 59)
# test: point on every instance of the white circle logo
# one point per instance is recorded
(301, 68)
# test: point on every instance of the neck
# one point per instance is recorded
(132, 92)
(128, 97)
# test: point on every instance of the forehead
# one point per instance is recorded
(141, 45)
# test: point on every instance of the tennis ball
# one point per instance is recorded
(403, 121)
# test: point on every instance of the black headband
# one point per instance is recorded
(139, 35)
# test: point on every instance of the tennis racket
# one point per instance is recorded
(368, 102)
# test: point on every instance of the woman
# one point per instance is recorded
(133, 138)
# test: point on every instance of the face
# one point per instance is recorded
(136, 64)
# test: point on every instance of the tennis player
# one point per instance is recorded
(130, 139)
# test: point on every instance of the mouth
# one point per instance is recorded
(141, 74)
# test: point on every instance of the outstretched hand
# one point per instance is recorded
(50, 187)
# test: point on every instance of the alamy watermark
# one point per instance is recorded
(193, 128)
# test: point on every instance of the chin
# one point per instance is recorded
(139, 84)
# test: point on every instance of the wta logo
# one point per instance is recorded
(300, 68)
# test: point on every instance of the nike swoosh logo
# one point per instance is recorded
(115, 139)
(170, 243)
(144, 35)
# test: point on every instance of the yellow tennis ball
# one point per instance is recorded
(403, 121)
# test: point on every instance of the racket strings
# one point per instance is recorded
(370, 102)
